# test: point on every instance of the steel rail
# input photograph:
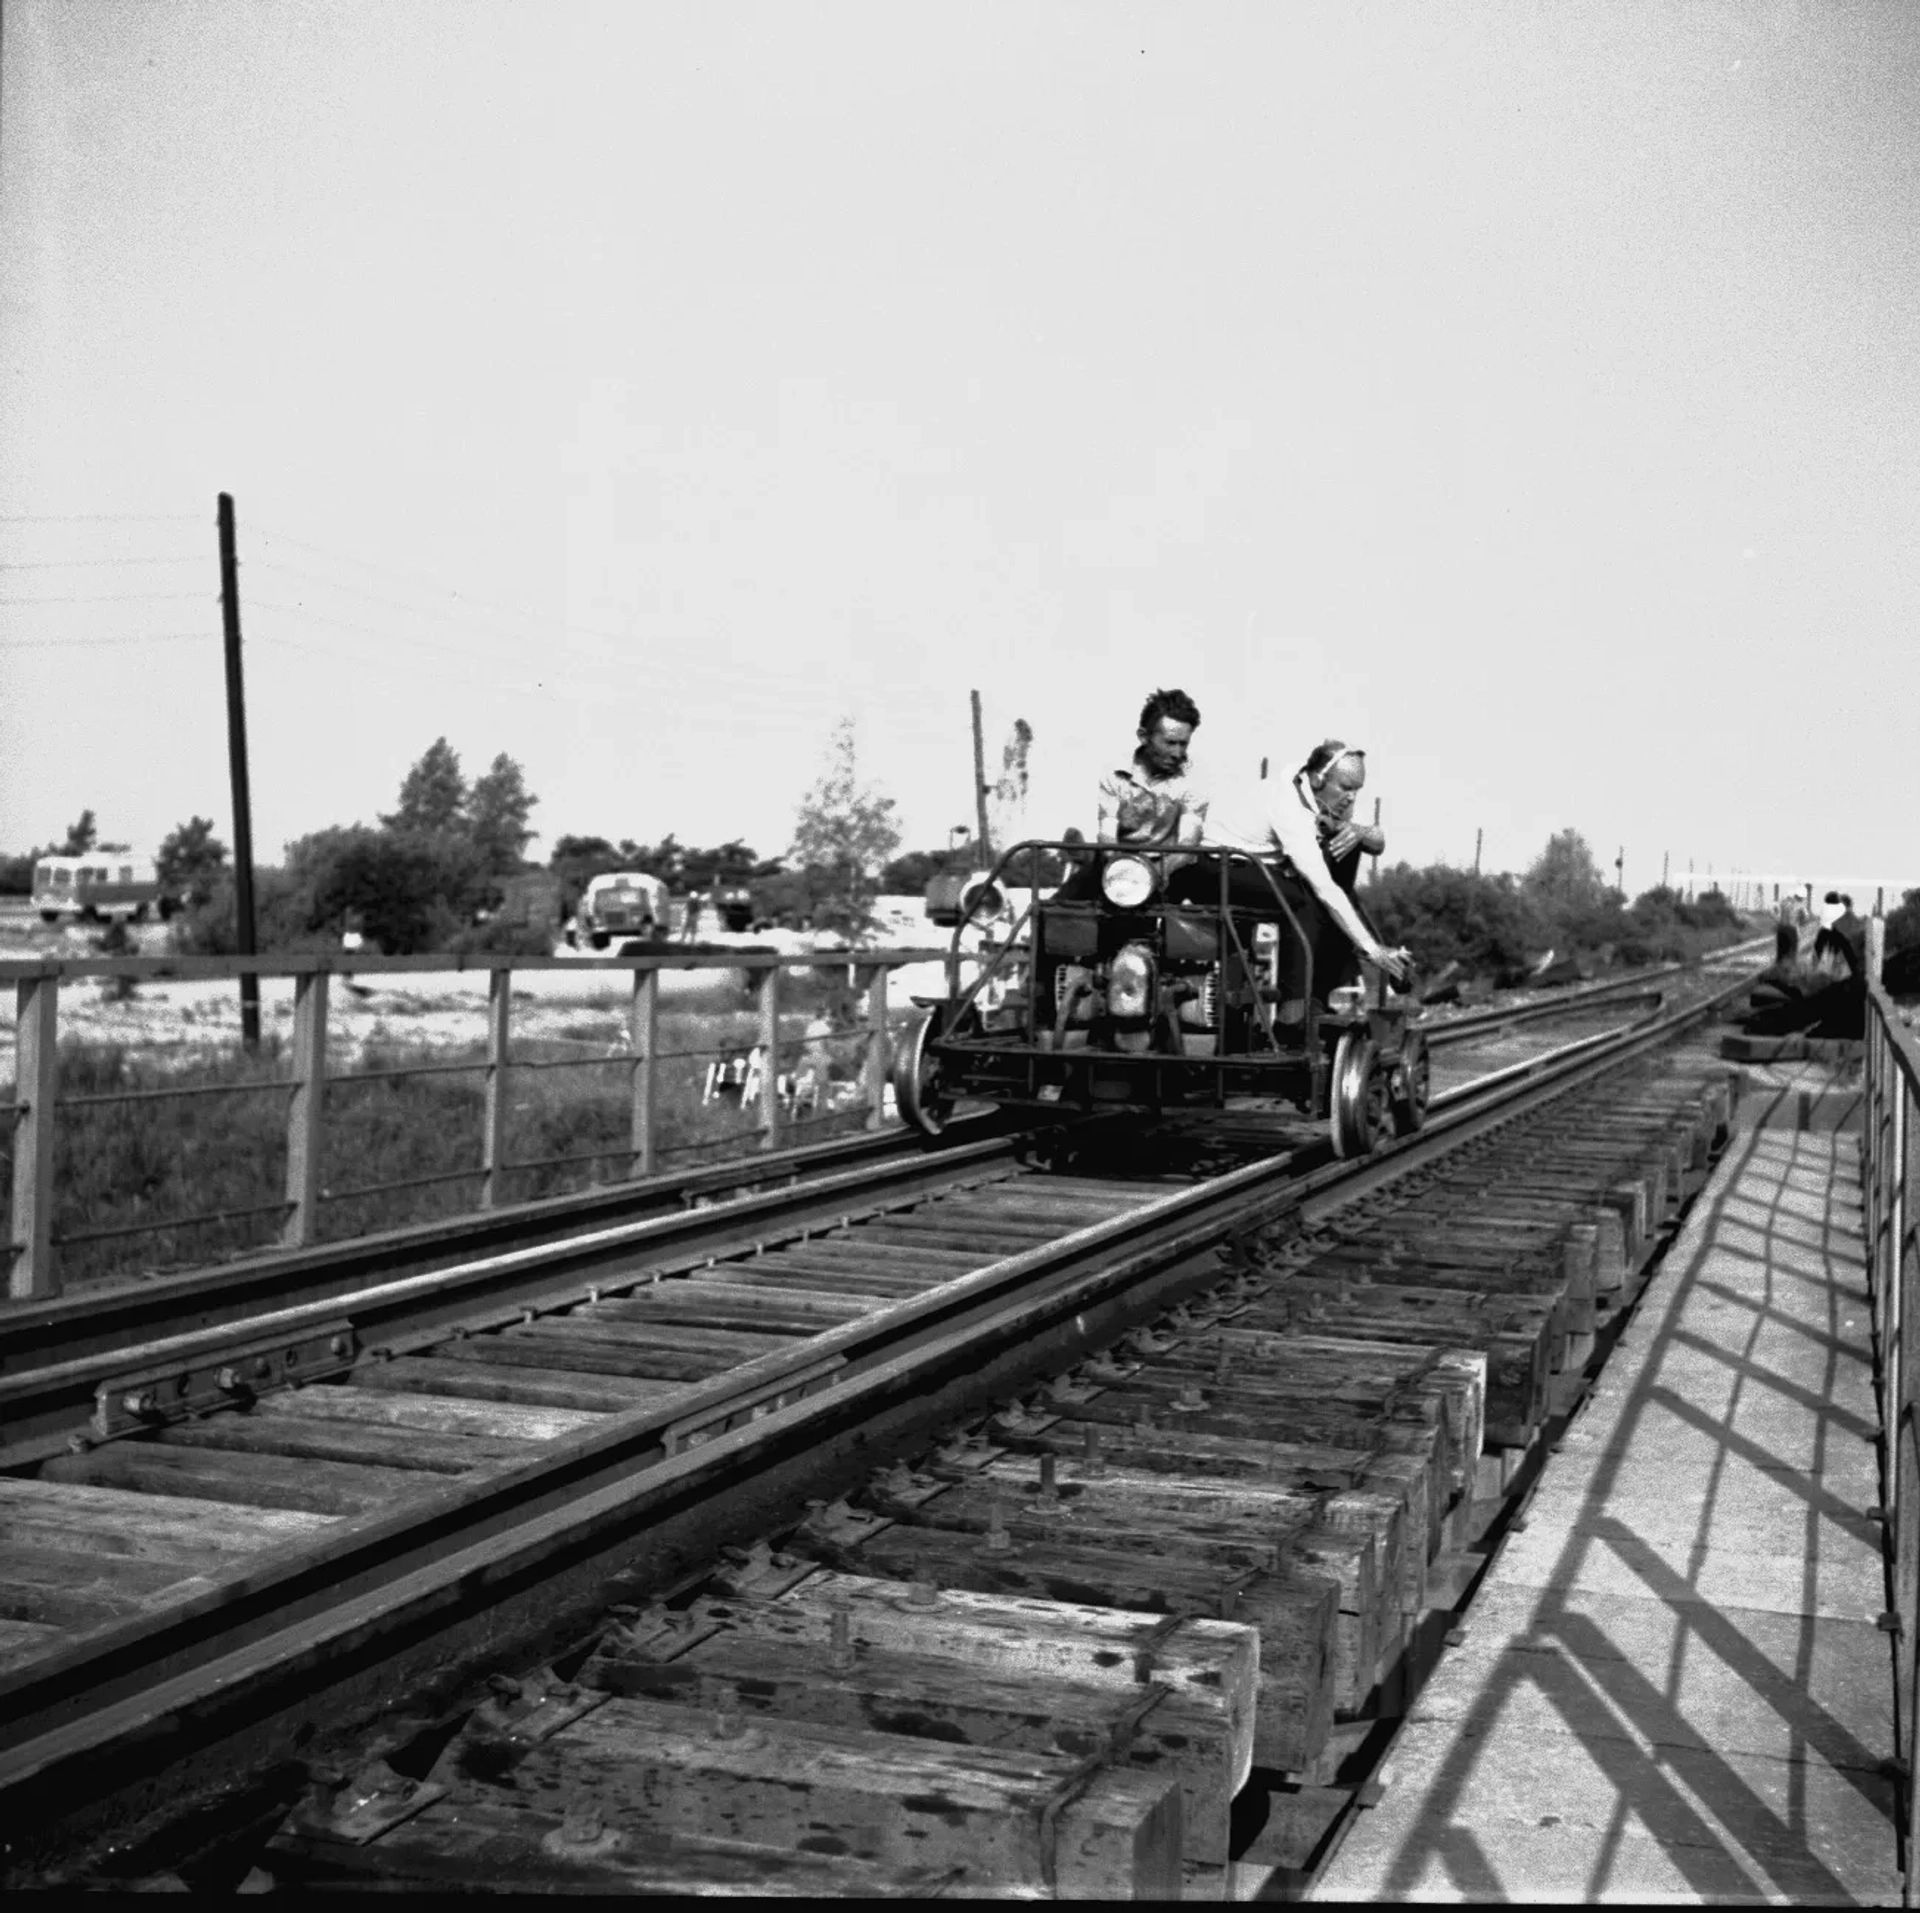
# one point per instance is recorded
(493, 1555)
(41, 1406)
(119, 1314)
(1648, 982)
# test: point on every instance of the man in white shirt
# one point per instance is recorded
(1294, 828)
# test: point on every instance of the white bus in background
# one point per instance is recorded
(103, 885)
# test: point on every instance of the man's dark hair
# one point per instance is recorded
(1174, 704)
(1848, 901)
(1833, 896)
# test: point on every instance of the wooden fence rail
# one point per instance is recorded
(32, 1250)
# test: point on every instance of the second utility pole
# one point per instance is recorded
(980, 783)
(237, 770)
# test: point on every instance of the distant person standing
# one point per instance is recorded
(1786, 932)
(1825, 951)
(1849, 934)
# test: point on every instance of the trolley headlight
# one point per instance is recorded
(1127, 882)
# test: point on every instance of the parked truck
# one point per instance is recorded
(619, 903)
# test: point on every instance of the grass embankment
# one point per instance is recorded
(145, 1162)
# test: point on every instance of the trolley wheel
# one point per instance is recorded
(1412, 1084)
(916, 1082)
(1357, 1102)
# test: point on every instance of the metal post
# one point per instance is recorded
(643, 1036)
(35, 1087)
(1478, 834)
(237, 772)
(980, 784)
(306, 1120)
(493, 1127)
(877, 1048)
(770, 1049)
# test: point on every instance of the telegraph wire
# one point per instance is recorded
(87, 564)
(426, 582)
(75, 644)
(114, 597)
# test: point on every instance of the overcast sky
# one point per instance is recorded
(1529, 393)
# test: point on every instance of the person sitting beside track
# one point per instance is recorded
(1305, 837)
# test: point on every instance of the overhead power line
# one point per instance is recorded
(76, 644)
(109, 597)
(88, 564)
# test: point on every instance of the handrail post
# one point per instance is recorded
(493, 1122)
(877, 1045)
(35, 1089)
(770, 1048)
(306, 1110)
(643, 1036)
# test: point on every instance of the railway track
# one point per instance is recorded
(273, 1526)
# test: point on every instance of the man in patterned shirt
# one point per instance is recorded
(1151, 802)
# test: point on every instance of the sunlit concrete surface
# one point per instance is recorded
(1672, 1686)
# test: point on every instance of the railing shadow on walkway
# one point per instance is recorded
(1763, 1401)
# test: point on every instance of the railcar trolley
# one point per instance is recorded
(1140, 985)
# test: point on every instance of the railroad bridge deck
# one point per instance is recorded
(1674, 1683)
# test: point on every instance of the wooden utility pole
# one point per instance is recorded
(1478, 834)
(1663, 869)
(1620, 872)
(980, 783)
(1373, 860)
(237, 771)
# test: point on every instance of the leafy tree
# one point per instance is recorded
(409, 891)
(497, 811)
(1564, 879)
(433, 795)
(1007, 801)
(1903, 924)
(728, 865)
(16, 874)
(909, 875)
(571, 849)
(1444, 915)
(843, 835)
(82, 835)
(190, 858)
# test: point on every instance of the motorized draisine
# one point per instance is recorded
(1111, 995)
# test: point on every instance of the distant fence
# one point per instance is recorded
(1890, 1171)
(786, 1075)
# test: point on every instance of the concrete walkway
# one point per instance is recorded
(1672, 1687)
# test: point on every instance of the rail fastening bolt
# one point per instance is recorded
(841, 1621)
(228, 1381)
(139, 1401)
(1092, 1464)
(582, 1826)
(1049, 1485)
(921, 1592)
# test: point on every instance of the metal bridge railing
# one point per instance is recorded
(767, 1078)
(1890, 1177)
